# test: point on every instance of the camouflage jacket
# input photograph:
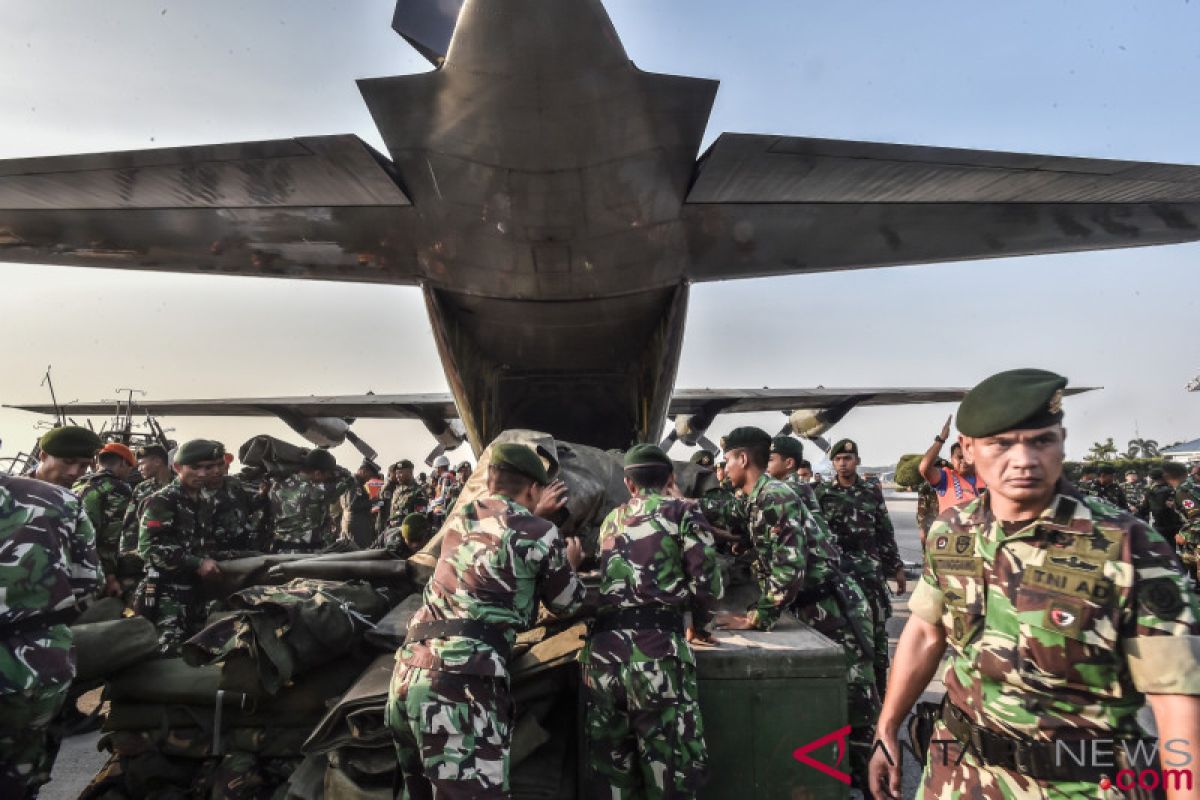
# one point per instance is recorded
(927, 505)
(48, 562)
(1113, 494)
(131, 525)
(228, 509)
(861, 527)
(778, 523)
(1187, 503)
(301, 513)
(173, 538)
(1058, 627)
(105, 499)
(823, 559)
(406, 499)
(1135, 496)
(655, 551)
(725, 510)
(498, 561)
(1087, 487)
(1159, 508)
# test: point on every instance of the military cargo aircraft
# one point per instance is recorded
(549, 200)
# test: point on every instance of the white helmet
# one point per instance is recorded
(441, 461)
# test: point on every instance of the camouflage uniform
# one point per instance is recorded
(778, 523)
(1135, 496)
(1187, 503)
(858, 518)
(722, 508)
(228, 509)
(172, 543)
(131, 525)
(358, 523)
(406, 498)
(48, 561)
(645, 732)
(1087, 487)
(1054, 632)
(1113, 494)
(1159, 509)
(104, 498)
(301, 516)
(927, 506)
(448, 706)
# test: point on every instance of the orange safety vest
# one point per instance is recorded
(374, 488)
(958, 490)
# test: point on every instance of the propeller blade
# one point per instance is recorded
(670, 439)
(821, 442)
(708, 445)
(362, 447)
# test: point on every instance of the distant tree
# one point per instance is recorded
(907, 473)
(1145, 448)
(1103, 451)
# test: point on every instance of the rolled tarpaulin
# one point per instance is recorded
(103, 648)
(170, 681)
(106, 609)
(391, 570)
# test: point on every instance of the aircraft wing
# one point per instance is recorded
(298, 208)
(740, 401)
(368, 406)
(773, 205)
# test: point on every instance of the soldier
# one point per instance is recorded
(448, 706)
(703, 458)
(1107, 489)
(358, 525)
(66, 454)
(174, 544)
(956, 482)
(105, 496)
(48, 562)
(805, 474)
(1158, 507)
(155, 468)
(406, 539)
(407, 497)
(645, 732)
(1087, 480)
(301, 518)
(862, 529)
(229, 508)
(1187, 506)
(835, 605)
(1135, 491)
(778, 523)
(1060, 611)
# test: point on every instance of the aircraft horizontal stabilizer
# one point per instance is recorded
(774, 205)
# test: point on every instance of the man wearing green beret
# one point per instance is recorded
(407, 539)
(861, 526)
(1107, 488)
(449, 708)
(65, 454)
(301, 505)
(1062, 616)
(175, 545)
(154, 464)
(778, 524)
(657, 562)
(403, 495)
(49, 563)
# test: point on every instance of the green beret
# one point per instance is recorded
(1156, 474)
(703, 458)
(319, 459)
(646, 455)
(1107, 469)
(70, 441)
(1019, 399)
(415, 528)
(153, 451)
(520, 459)
(843, 447)
(1173, 469)
(788, 447)
(746, 437)
(192, 453)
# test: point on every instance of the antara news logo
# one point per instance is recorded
(1133, 762)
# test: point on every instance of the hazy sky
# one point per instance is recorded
(1104, 78)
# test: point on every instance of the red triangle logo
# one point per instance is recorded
(840, 736)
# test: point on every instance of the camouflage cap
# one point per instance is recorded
(703, 458)
(320, 459)
(745, 437)
(70, 441)
(415, 528)
(520, 459)
(646, 455)
(192, 453)
(120, 450)
(843, 447)
(1019, 399)
(152, 451)
(788, 447)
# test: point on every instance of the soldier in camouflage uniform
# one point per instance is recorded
(48, 562)
(105, 497)
(1059, 610)
(301, 514)
(176, 546)
(1135, 492)
(448, 706)
(858, 517)
(63, 470)
(834, 604)
(407, 539)
(1187, 506)
(657, 561)
(155, 469)
(779, 524)
(407, 496)
(1087, 481)
(228, 507)
(1107, 488)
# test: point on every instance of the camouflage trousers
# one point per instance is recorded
(177, 611)
(862, 695)
(29, 739)
(452, 733)
(881, 611)
(645, 733)
(951, 774)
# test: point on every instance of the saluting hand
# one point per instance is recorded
(946, 428)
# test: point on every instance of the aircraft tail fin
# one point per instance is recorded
(427, 25)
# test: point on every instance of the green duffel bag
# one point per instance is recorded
(103, 648)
